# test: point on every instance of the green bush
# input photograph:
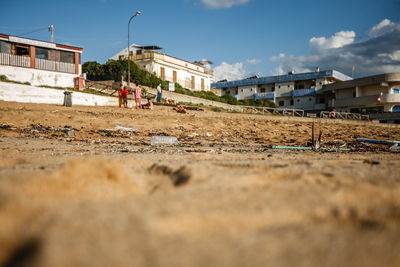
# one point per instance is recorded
(3, 78)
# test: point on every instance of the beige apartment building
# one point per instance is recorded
(191, 75)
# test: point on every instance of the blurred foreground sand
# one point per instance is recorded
(110, 200)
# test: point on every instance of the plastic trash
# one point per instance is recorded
(208, 134)
(163, 140)
(70, 133)
(395, 147)
(67, 99)
(124, 128)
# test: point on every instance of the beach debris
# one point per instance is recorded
(326, 149)
(208, 134)
(394, 147)
(158, 140)
(193, 135)
(125, 128)
(375, 141)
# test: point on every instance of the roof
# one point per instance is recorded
(284, 78)
(369, 80)
(39, 43)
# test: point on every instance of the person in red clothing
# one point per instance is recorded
(138, 96)
(124, 95)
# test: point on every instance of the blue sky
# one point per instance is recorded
(241, 37)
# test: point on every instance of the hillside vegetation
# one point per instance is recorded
(115, 69)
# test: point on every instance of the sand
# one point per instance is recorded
(221, 197)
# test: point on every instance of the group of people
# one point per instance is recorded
(123, 97)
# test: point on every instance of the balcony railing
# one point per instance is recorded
(42, 64)
(51, 65)
(304, 92)
(14, 60)
(268, 95)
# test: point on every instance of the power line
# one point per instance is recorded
(33, 31)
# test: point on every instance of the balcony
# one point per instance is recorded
(268, 95)
(15, 60)
(303, 92)
(367, 100)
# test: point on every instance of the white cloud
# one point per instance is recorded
(379, 53)
(337, 40)
(223, 3)
(253, 61)
(230, 72)
(383, 27)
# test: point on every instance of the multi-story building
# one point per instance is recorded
(372, 94)
(39, 62)
(191, 75)
(300, 90)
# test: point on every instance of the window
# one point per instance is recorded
(288, 86)
(281, 103)
(291, 102)
(262, 90)
(236, 91)
(5, 47)
(174, 76)
(193, 82)
(67, 57)
(395, 91)
(42, 53)
(273, 89)
(322, 100)
(21, 50)
(298, 100)
(279, 86)
(310, 99)
(251, 89)
(241, 90)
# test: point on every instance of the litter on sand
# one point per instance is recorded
(375, 141)
(163, 140)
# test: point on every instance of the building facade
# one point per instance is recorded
(39, 62)
(191, 75)
(299, 91)
(372, 94)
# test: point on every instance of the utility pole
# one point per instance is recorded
(51, 29)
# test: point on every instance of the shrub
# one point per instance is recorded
(3, 78)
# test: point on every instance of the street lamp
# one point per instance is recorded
(129, 59)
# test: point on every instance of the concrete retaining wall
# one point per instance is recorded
(195, 100)
(32, 94)
(38, 77)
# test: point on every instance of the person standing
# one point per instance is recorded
(159, 92)
(124, 95)
(138, 96)
(120, 98)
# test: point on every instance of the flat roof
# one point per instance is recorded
(39, 43)
(369, 80)
(284, 78)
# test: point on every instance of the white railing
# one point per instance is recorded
(14, 60)
(42, 64)
(51, 65)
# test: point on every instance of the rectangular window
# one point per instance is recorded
(395, 91)
(5, 47)
(281, 103)
(193, 82)
(202, 84)
(262, 90)
(162, 73)
(67, 57)
(174, 78)
(42, 53)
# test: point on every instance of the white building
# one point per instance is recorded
(293, 90)
(39, 62)
(191, 75)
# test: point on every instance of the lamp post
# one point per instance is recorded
(129, 58)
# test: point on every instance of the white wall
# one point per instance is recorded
(38, 77)
(32, 94)
(247, 92)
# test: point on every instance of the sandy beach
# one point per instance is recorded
(83, 186)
